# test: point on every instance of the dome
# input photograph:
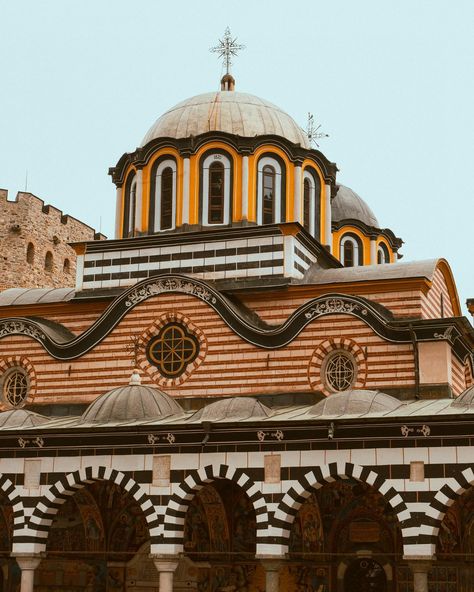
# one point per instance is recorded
(133, 402)
(347, 205)
(21, 418)
(233, 408)
(236, 113)
(465, 399)
(355, 402)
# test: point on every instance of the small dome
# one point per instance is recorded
(232, 408)
(465, 399)
(21, 418)
(355, 402)
(347, 205)
(236, 113)
(133, 402)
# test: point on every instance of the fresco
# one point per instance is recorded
(93, 536)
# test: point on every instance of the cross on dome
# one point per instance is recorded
(227, 48)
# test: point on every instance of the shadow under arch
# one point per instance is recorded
(48, 506)
(172, 540)
(279, 530)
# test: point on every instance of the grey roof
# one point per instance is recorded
(465, 399)
(408, 269)
(134, 402)
(18, 296)
(355, 402)
(347, 205)
(21, 418)
(232, 409)
(226, 111)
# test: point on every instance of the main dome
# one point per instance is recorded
(233, 112)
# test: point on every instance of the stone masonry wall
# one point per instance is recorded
(27, 220)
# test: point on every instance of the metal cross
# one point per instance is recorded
(227, 47)
(313, 132)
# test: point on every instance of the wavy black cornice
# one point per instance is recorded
(244, 145)
(239, 319)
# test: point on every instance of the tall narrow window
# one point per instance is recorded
(216, 193)
(30, 253)
(351, 251)
(348, 254)
(307, 205)
(216, 189)
(166, 214)
(268, 194)
(129, 206)
(382, 254)
(48, 261)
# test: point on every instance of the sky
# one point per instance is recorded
(391, 82)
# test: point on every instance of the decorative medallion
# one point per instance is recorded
(172, 349)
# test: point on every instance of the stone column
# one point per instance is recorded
(28, 564)
(186, 178)
(328, 218)
(118, 212)
(166, 566)
(373, 251)
(298, 206)
(420, 571)
(138, 203)
(272, 566)
(245, 188)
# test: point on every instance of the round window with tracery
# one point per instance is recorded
(340, 371)
(15, 387)
(173, 349)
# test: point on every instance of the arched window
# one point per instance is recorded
(130, 206)
(163, 192)
(215, 212)
(270, 209)
(30, 253)
(66, 266)
(311, 202)
(48, 261)
(383, 255)
(307, 204)
(351, 253)
(268, 194)
(216, 190)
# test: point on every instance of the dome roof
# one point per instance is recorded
(348, 205)
(236, 113)
(232, 408)
(355, 402)
(133, 402)
(465, 399)
(21, 418)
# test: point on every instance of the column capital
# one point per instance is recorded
(271, 562)
(165, 563)
(419, 563)
(28, 562)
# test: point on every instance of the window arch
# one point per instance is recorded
(130, 206)
(270, 198)
(216, 181)
(311, 202)
(163, 196)
(48, 261)
(66, 266)
(30, 253)
(383, 256)
(351, 251)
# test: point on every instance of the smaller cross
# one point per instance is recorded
(313, 132)
(134, 348)
(227, 48)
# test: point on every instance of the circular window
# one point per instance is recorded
(173, 349)
(339, 371)
(15, 387)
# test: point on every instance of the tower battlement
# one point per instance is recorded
(34, 242)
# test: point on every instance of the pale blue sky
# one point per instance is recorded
(391, 81)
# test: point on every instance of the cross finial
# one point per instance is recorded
(312, 131)
(227, 48)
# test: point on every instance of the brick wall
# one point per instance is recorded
(28, 221)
